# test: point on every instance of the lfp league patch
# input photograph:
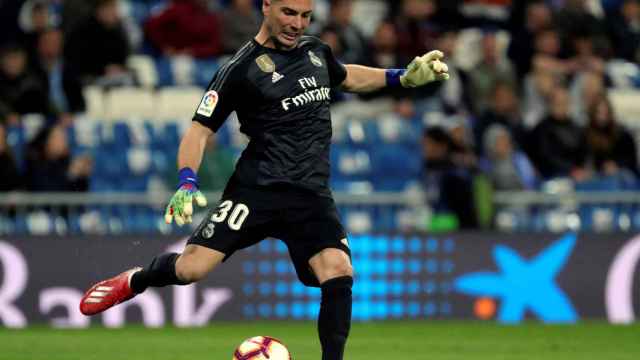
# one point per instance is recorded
(208, 103)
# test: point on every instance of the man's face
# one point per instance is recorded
(286, 20)
(50, 44)
(108, 14)
(14, 63)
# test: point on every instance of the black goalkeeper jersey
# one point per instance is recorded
(282, 101)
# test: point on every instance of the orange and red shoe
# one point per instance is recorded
(108, 293)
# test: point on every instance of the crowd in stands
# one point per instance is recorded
(532, 106)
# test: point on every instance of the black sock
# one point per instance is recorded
(334, 320)
(161, 272)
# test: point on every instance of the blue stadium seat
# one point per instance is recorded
(165, 74)
(204, 70)
(350, 164)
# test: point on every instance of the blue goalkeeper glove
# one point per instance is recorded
(180, 206)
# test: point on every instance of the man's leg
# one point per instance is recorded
(192, 265)
(333, 269)
(167, 269)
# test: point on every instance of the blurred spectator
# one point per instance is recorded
(537, 17)
(241, 21)
(185, 27)
(453, 92)
(504, 110)
(463, 155)
(493, 68)
(560, 147)
(537, 91)
(96, 50)
(35, 17)
(21, 92)
(329, 35)
(415, 27)
(611, 146)
(385, 54)
(624, 30)
(547, 54)
(49, 66)
(575, 18)
(451, 186)
(586, 90)
(385, 48)
(585, 55)
(353, 45)
(507, 168)
(10, 178)
(50, 166)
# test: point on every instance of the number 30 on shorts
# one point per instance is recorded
(239, 214)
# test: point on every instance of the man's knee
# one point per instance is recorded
(339, 269)
(330, 264)
(188, 272)
(196, 262)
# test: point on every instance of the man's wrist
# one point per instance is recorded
(393, 76)
(186, 175)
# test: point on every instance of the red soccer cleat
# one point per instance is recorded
(108, 293)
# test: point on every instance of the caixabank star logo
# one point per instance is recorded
(523, 285)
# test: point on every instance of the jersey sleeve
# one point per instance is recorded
(337, 71)
(219, 100)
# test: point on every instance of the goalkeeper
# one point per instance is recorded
(279, 84)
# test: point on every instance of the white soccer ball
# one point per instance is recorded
(261, 348)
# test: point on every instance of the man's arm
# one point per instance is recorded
(190, 156)
(192, 146)
(362, 79)
(422, 70)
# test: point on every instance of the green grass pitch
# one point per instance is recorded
(402, 340)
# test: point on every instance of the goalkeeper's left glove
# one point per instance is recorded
(180, 206)
(422, 70)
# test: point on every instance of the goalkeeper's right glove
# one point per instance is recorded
(421, 71)
(425, 69)
(180, 206)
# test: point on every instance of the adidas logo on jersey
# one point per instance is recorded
(276, 77)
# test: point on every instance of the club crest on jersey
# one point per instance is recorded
(208, 231)
(265, 63)
(208, 103)
(315, 60)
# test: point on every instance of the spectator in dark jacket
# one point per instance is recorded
(624, 30)
(49, 66)
(50, 166)
(97, 49)
(560, 147)
(240, 22)
(611, 146)
(452, 185)
(537, 17)
(185, 27)
(21, 92)
(353, 44)
(503, 109)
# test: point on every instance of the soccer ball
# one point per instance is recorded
(261, 348)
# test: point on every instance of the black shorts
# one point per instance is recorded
(306, 222)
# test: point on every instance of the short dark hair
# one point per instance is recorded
(437, 134)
